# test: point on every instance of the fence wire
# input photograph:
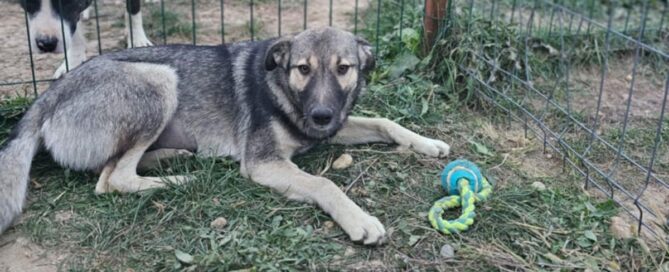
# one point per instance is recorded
(252, 28)
(609, 130)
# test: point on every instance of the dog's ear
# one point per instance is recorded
(278, 53)
(367, 61)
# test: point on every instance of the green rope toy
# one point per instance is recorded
(465, 185)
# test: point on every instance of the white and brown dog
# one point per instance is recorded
(48, 35)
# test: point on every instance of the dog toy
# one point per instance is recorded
(465, 185)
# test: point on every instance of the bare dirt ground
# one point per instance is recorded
(644, 112)
(15, 65)
(647, 96)
(18, 254)
(527, 155)
(655, 211)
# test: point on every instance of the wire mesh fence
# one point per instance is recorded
(203, 22)
(590, 79)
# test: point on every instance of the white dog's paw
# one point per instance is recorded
(103, 187)
(429, 147)
(72, 63)
(139, 41)
(364, 228)
(86, 14)
(62, 69)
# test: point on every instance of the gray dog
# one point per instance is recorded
(257, 102)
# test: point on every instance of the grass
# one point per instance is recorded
(519, 228)
(174, 24)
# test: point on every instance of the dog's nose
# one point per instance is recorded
(47, 43)
(321, 116)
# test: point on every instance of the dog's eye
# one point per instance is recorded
(304, 69)
(342, 69)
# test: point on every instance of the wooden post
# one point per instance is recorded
(435, 12)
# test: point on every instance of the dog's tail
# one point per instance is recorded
(15, 159)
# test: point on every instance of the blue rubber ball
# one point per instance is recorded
(460, 169)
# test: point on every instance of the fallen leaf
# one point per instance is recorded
(590, 235)
(481, 149)
(404, 62)
(183, 256)
(413, 239)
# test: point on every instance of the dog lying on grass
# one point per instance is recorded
(257, 102)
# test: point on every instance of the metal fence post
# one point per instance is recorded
(435, 12)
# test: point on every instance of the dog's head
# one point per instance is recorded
(321, 73)
(44, 22)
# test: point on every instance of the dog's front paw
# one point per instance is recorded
(86, 14)
(73, 62)
(62, 69)
(362, 227)
(139, 41)
(428, 147)
(432, 148)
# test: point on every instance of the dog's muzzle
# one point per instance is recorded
(46, 44)
(322, 122)
(321, 117)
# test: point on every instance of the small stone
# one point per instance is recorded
(539, 186)
(328, 225)
(447, 251)
(350, 251)
(344, 161)
(219, 223)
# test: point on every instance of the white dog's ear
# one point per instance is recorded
(278, 53)
(367, 61)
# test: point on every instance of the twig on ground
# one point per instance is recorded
(506, 156)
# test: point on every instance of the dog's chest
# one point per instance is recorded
(287, 144)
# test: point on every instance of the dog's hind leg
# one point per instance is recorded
(123, 174)
(103, 182)
(109, 123)
(152, 158)
(151, 112)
